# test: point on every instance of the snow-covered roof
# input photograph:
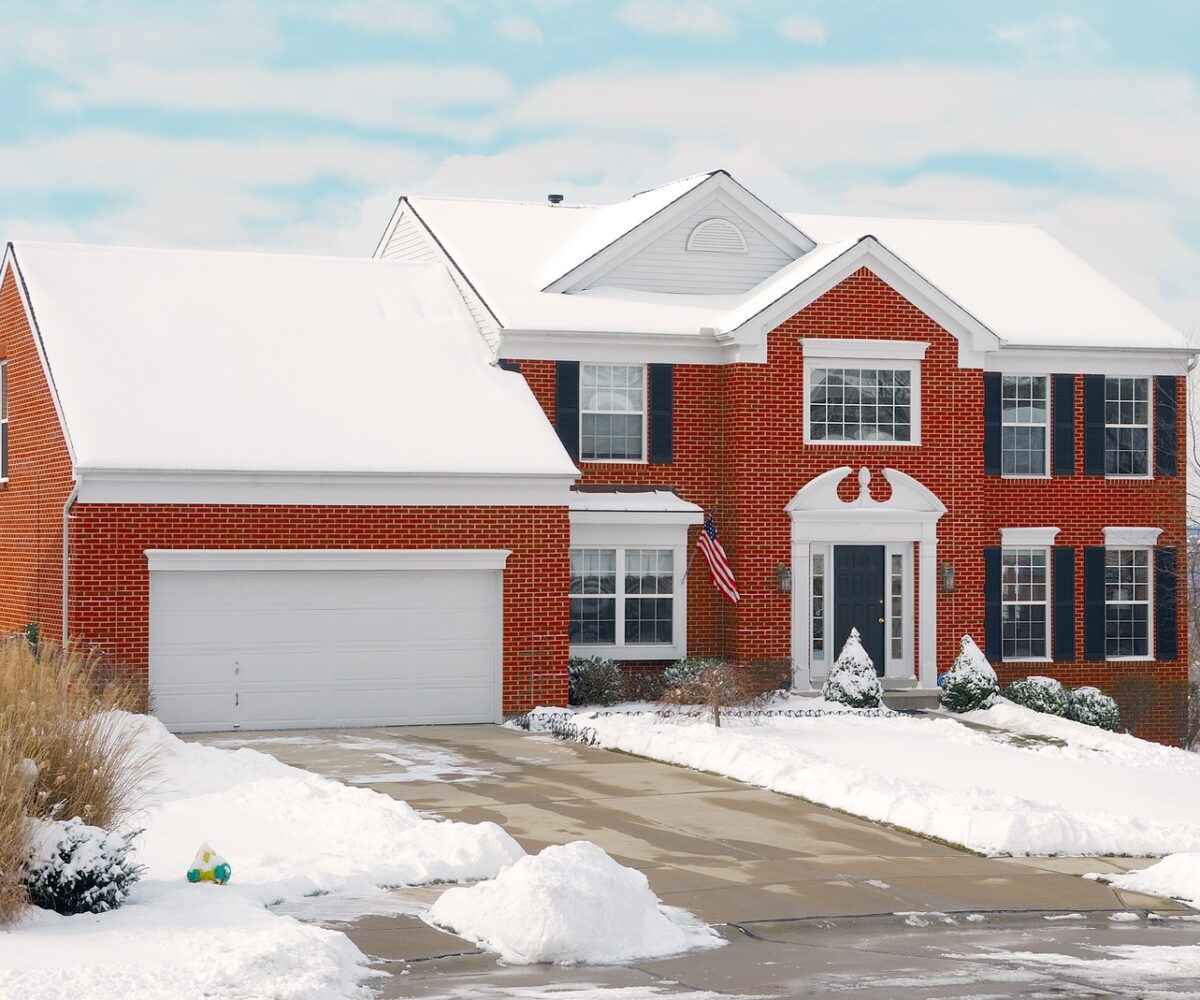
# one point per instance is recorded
(647, 501)
(1015, 280)
(191, 360)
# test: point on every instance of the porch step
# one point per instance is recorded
(911, 699)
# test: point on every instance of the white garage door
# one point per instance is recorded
(291, 639)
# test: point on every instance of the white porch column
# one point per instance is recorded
(801, 619)
(927, 675)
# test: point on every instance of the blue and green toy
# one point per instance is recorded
(209, 866)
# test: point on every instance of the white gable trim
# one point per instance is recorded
(10, 262)
(974, 338)
(719, 185)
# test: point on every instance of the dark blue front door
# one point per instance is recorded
(858, 598)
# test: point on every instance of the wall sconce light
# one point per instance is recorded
(947, 578)
(783, 578)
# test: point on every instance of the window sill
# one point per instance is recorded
(614, 461)
(1024, 475)
(825, 443)
(1129, 659)
(1026, 659)
(1135, 478)
(638, 652)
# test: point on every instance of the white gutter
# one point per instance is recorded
(66, 564)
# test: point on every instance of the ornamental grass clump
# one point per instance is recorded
(971, 682)
(1042, 694)
(16, 775)
(60, 710)
(1093, 707)
(852, 679)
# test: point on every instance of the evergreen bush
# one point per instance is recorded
(1042, 694)
(1093, 707)
(76, 868)
(852, 679)
(971, 682)
(595, 680)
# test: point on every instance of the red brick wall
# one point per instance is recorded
(739, 450)
(110, 583)
(39, 481)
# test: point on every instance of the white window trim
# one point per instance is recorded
(1047, 425)
(638, 530)
(1048, 657)
(1131, 538)
(911, 365)
(1149, 550)
(1027, 538)
(645, 459)
(1149, 473)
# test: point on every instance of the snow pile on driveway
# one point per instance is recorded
(570, 904)
(1046, 786)
(286, 833)
(1176, 876)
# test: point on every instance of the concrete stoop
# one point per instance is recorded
(911, 699)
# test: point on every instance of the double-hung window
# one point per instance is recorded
(1127, 603)
(612, 413)
(1024, 608)
(862, 391)
(623, 597)
(1024, 437)
(1126, 426)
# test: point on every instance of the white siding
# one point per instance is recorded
(667, 266)
(410, 241)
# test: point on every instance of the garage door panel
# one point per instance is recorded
(324, 648)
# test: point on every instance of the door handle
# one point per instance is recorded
(880, 621)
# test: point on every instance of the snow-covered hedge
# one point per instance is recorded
(1093, 707)
(684, 672)
(595, 680)
(76, 868)
(1042, 694)
(852, 679)
(971, 682)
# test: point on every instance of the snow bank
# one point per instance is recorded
(1177, 876)
(577, 905)
(1100, 793)
(286, 833)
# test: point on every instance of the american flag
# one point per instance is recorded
(718, 562)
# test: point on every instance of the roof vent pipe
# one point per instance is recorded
(554, 199)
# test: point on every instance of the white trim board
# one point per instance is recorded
(320, 488)
(840, 349)
(1131, 537)
(1027, 537)
(292, 560)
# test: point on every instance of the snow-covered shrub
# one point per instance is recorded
(1042, 694)
(595, 680)
(683, 672)
(1093, 707)
(76, 868)
(852, 679)
(971, 682)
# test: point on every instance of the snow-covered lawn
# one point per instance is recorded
(1056, 787)
(287, 833)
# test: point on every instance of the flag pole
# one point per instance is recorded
(687, 569)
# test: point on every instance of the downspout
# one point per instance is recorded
(66, 564)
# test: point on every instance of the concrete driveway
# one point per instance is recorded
(800, 889)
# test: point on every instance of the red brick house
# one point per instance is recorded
(336, 506)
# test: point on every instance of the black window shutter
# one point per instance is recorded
(1166, 581)
(1093, 603)
(1062, 579)
(661, 380)
(510, 364)
(991, 423)
(991, 603)
(1062, 413)
(1093, 426)
(1165, 426)
(566, 395)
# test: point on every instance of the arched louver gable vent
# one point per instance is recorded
(717, 236)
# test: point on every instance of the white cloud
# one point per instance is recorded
(399, 17)
(677, 17)
(803, 30)
(1053, 37)
(520, 29)
(407, 97)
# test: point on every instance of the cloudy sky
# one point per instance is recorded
(295, 126)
